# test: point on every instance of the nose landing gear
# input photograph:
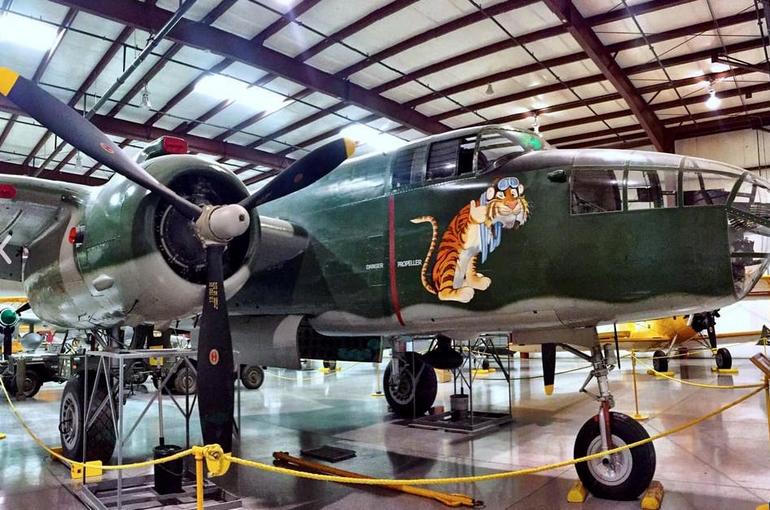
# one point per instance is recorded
(621, 476)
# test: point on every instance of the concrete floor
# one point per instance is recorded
(723, 463)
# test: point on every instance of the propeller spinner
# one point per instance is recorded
(215, 226)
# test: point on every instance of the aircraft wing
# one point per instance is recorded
(29, 208)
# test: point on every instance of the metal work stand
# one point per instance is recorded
(475, 421)
(114, 364)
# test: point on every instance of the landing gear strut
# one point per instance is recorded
(621, 476)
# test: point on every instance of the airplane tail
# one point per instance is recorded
(425, 263)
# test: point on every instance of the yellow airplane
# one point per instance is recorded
(664, 336)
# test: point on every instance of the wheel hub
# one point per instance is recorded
(403, 391)
(69, 425)
(612, 469)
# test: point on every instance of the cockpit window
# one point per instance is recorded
(651, 189)
(596, 191)
(706, 188)
(497, 147)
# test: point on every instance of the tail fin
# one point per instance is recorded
(425, 263)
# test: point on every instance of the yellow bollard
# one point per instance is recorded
(198, 453)
(637, 416)
(2, 436)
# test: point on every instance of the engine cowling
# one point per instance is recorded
(128, 257)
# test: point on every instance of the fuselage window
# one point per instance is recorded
(650, 189)
(450, 158)
(706, 188)
(409, 166)
(596, 191)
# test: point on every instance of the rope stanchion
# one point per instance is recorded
(198, 453)
(637, 416)
(703, 385)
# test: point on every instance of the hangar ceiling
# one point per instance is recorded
(254, 84)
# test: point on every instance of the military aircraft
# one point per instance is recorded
(478, 230)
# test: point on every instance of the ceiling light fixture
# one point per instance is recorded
(536, 124)
(23, 31)
(365, 135)
(712, 103)
(490, 91)
(224, 87)
(146, 103)
(78, 163)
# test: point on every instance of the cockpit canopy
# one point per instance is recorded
(467, 152)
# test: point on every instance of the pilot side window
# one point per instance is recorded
(650, 189)
(596, 191)
(495, 149)
(409, 166)
(450, 158)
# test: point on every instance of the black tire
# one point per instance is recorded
(485, 364)
(32, 383)
(407, 399)
(660, 361)
(137, 373)
(185, 381)
(723, 359)
(252, 376)
(330, 365)
(637, 465)
(101, 435)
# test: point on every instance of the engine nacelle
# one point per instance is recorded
(128, 257)
(282, 340)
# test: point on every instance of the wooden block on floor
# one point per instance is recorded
(660, 375)
(725, 371)
(652, 499)
(577, 493)
(93, 468)
(443, 376)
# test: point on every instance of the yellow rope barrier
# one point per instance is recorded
(703, 385)
(215, 456)
(59, 456)
(492, 476)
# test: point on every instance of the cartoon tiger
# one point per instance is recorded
(475, 230)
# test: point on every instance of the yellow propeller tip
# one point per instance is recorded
(549, 389)
(8, 79)
(350, 146)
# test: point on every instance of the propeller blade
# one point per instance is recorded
(303, 172)
(549, 366)
(215, 358)
(84, 136)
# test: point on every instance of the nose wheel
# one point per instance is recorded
(622, 476)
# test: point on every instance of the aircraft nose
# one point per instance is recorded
(748, 219)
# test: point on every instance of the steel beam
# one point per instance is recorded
(527, 38)
(135, 131)
(587, 39)
(147, 17)
(14, 169)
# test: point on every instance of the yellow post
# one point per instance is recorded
(198, 452)
(637, 416)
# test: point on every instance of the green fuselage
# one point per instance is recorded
(361, 272)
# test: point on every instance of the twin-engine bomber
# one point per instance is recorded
(477, 230)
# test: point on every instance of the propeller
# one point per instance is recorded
(215, 226)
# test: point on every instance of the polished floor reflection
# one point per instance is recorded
(722, 463)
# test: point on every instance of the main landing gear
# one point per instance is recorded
(621, 476)
(410, 384)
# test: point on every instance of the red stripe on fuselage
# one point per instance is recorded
(392, 259)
